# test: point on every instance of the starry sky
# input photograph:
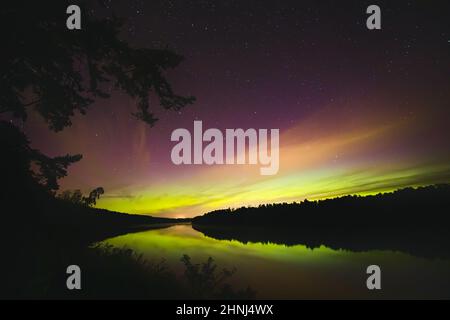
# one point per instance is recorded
(359, 111)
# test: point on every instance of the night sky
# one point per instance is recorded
(359, 111)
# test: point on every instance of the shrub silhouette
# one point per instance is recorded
(204, 281)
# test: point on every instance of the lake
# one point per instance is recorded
(277, 271)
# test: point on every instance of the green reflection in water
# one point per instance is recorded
(278, 271)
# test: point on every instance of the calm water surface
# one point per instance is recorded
(290, 272)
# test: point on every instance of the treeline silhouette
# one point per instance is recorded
(412, 220)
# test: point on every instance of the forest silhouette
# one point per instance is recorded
(413, 220)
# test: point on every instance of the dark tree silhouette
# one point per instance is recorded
(58, 72)
(94, 195)
(76, 196)
(29, 166)
(72, 196)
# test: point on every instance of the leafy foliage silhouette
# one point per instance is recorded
(57, 72)
(77, 197)
(204, 281)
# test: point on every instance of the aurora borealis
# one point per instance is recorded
(359, 111)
